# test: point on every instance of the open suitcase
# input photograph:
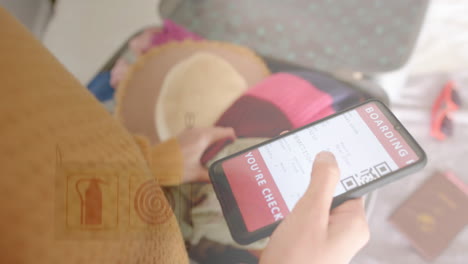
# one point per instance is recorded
(231, 254)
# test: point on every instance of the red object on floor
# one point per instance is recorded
(280, 102)
(444, 105)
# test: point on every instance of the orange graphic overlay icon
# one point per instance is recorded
(150, 203)
(91, 201)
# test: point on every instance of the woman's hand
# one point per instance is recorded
(312, 233)
(194, 143)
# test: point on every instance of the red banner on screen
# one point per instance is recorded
(259, 200)
(396, 146)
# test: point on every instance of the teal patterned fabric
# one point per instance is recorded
(365, 35)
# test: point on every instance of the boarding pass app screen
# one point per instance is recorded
(268, 181)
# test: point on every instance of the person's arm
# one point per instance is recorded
(44, 108)
(312, 233)
(165, 160)
(177, 160)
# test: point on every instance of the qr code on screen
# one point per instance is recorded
(366, 176)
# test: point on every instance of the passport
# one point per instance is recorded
(434, 214)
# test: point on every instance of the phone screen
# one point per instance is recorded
(268, 181)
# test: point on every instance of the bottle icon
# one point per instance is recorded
(91, 202)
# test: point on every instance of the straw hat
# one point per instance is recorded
(185, 84)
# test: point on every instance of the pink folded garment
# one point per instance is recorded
(172, 32)
(296, 98)
(280, 102)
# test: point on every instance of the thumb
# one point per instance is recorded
(217, 133)
(318, 197)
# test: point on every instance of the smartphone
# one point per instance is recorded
(259, 186)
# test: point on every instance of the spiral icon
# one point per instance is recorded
(150, 203)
